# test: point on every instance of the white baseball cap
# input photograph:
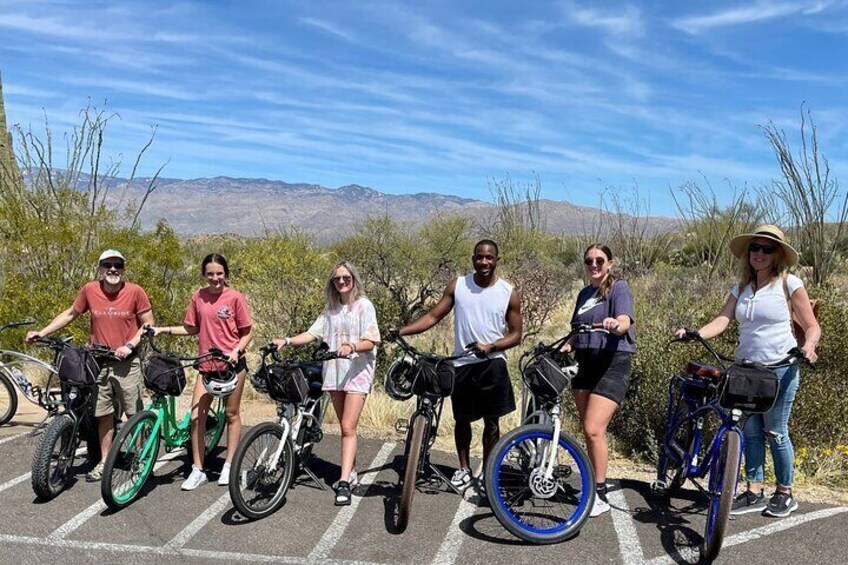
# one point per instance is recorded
(109, 254)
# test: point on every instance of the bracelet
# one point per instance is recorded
(287, 341)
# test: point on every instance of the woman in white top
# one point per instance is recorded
(349, 326)
(760, 304)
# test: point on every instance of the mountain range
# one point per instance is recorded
(251, 206)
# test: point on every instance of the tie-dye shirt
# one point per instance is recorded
(349, 324)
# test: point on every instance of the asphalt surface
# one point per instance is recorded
(169, 526)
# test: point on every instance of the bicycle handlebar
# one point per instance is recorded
(470, 349)
(214, 353)
(322, 353)
(794, 356)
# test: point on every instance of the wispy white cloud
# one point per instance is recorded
(627, 21)
(757, 12)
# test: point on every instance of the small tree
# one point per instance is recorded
(810, 196)
(708, 227)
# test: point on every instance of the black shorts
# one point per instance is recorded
(603, 372)
(482, 390)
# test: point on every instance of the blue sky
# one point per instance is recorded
(436, 95)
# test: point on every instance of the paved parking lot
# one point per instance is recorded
(171, 526)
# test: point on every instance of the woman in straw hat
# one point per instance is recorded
(760, 305)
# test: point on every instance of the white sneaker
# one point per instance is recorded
(195, 479)
(461, 479)
(224, 477)
(599, 507)
(353, 480)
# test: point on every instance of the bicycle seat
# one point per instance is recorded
(704, 371)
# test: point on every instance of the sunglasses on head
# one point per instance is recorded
(342, 279)
(119, 265)
(588, 261)
(767, 249)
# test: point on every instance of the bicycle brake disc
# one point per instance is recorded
(540, 486)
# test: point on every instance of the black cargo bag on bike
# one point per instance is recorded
(287, 384)
(750, 387)
(434, 377)
(164, 374)
(78, 367)
(544, 377)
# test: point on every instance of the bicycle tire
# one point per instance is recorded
(410, 472)
(8, 407)
(133, 453)
(723, 475)
(50, 469)
(216, 431)
(504, 484)
(244, 474)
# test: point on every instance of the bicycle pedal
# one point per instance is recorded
(402, 425)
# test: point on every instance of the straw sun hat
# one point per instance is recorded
(739, 244)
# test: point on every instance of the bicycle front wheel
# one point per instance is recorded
(53, 458)
(258, 484)
(532, 506)
(215, 422)
(414, 455)
(8, 398)
(130, 460)
(724, 473)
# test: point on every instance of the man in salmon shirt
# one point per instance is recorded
(118, 310)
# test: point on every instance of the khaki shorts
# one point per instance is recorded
(119, 387)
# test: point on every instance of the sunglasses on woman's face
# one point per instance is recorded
(767, 249)
(342, 279)
(109, 265)
(589, 261)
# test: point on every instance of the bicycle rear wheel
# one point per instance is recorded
(53, 458)
(528, 505)
(724, 473)
(414, 456)
(130, 460)
(256, 489)
(8, 398)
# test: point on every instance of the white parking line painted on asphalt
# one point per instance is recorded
(62, 531)
(9, 484)
(628, 539)
(691, 555)
(189, 531)
(227, 556)
(449, 550)
(334, 533)
(10, 438)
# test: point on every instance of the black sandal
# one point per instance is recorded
(343, 494)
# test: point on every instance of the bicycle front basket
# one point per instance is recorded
(164, 374)
(286, 384)
(78, 367)
(750, 387)
(545, 378)
(435, 377)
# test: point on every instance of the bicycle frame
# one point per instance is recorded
(701, 400)
(45, 398)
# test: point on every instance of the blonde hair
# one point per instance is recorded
(748, 276)
(333, 297)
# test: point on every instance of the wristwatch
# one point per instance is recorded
(129, 346)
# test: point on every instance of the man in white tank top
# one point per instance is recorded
(487, 312)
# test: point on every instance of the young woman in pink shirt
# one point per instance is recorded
(219, 317)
